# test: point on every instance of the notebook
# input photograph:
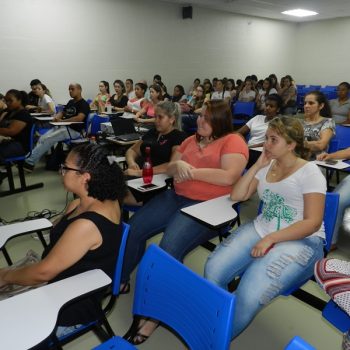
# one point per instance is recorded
(124, 129)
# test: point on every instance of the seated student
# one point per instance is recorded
(163, 140)
(147, 112)
(247, 93)
(76, 110)
(101, 98)
(135, 104)
(3, 107)
(263, 93)
(288, 92)
(343, 188)
(208, 89)
(17, 127)
(87, 237)
(220, 93)
(129, 88)
(33, 98)
(279, 248)
(257, 126)
(205, 166)
(230, 87)
(118, 100)
(275, 84)
(45, 103)
(194, 107)
(318, 127)
(340, 106)
(194, 86)
(179, 94)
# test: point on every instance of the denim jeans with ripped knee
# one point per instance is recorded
(286, 265)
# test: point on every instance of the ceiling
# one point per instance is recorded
(327, 9)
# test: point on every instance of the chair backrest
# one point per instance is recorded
(329, 216)
(95, 125)
(200, 312)
(342, 134)
(119, 265)
(244, 108)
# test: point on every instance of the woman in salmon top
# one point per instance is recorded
(205, 166)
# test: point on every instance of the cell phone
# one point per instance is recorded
(331, 161)
(146, 187)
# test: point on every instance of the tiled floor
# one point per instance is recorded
(271, 330)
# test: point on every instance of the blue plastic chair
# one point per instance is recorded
(95, 123)
(342, 135)
(168, 291)
(298, 343)
(97, 325)
(336, 316)
(242, 109)
(115, 343)
(314, 87)
(19, 160)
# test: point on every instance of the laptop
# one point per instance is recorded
(124, 129)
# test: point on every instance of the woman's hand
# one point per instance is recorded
(133, 166)
(264, 159)
(262, 247)
(324, 156)
(133, 172)
(183, 171)
(127, 109)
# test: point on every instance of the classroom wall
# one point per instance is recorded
(323, 52)
(59, 41)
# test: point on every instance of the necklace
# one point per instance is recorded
(283, 173)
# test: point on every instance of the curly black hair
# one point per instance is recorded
(107, 180)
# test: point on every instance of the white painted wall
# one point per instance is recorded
(323, 52)
(59, 41)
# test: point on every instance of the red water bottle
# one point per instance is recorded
(147, 170)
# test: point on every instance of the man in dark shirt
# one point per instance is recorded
(76, 110)
(33, 98)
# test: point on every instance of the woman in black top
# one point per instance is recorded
(163, 141)
(89, 234)
(119, 100)
(17, 126)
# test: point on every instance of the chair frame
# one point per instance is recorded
(101, 327)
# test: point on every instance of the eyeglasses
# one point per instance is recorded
(64, 169)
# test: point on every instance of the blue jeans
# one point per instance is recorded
(49, 139)
(162, 214)
(344, 201)
(286, 265)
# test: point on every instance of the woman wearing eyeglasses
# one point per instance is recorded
(87, 237)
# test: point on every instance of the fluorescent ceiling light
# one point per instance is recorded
(300, 13)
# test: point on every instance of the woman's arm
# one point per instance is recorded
(247, 184)
(343, 154)
(322, 143)
(312, 221)
(232, 166)
(244, 130)
(79, 237)
(14, 128)
(132, 154)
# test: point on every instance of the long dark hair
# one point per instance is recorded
(321, 98)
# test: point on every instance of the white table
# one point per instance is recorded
(44, 118)
(29, 318)
(22, 228)
(214, 212)
(65, 123)
(340, 165)
(158, 180)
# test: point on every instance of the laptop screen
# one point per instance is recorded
(122, 126)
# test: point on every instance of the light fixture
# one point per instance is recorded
(300, 13)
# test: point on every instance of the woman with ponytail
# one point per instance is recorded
(278, 249)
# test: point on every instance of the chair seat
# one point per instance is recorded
(116, 343)
(336, 316)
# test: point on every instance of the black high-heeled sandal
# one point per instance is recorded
(133, 335)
